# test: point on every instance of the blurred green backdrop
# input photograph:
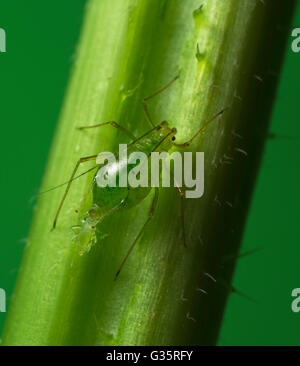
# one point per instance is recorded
(41, 39)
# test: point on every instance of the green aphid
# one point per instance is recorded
(107, 200)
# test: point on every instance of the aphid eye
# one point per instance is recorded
(173, 138)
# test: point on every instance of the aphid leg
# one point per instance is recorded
(112, 123)
(234, 290)
(109, 212)
(144, 101)
(179, 190)
(237, 255)
(242, 294)
(151, 214)
(187, 143)
(85, 196)
(182, 211)
(272, 135)
(81, 160)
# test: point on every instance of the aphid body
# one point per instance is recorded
(108, 199)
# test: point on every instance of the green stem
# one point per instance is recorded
(224, 52)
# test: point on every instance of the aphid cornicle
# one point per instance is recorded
(106, 200)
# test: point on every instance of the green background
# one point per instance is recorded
(41, 39)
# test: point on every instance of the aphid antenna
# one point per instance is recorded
(63, 184)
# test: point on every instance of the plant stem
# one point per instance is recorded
(226, 53)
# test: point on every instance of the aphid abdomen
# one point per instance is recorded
(108, 197)
(136, 195)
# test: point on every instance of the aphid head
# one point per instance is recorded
(164, 129)
(167, 135)
(173, 133)
(164, 125)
